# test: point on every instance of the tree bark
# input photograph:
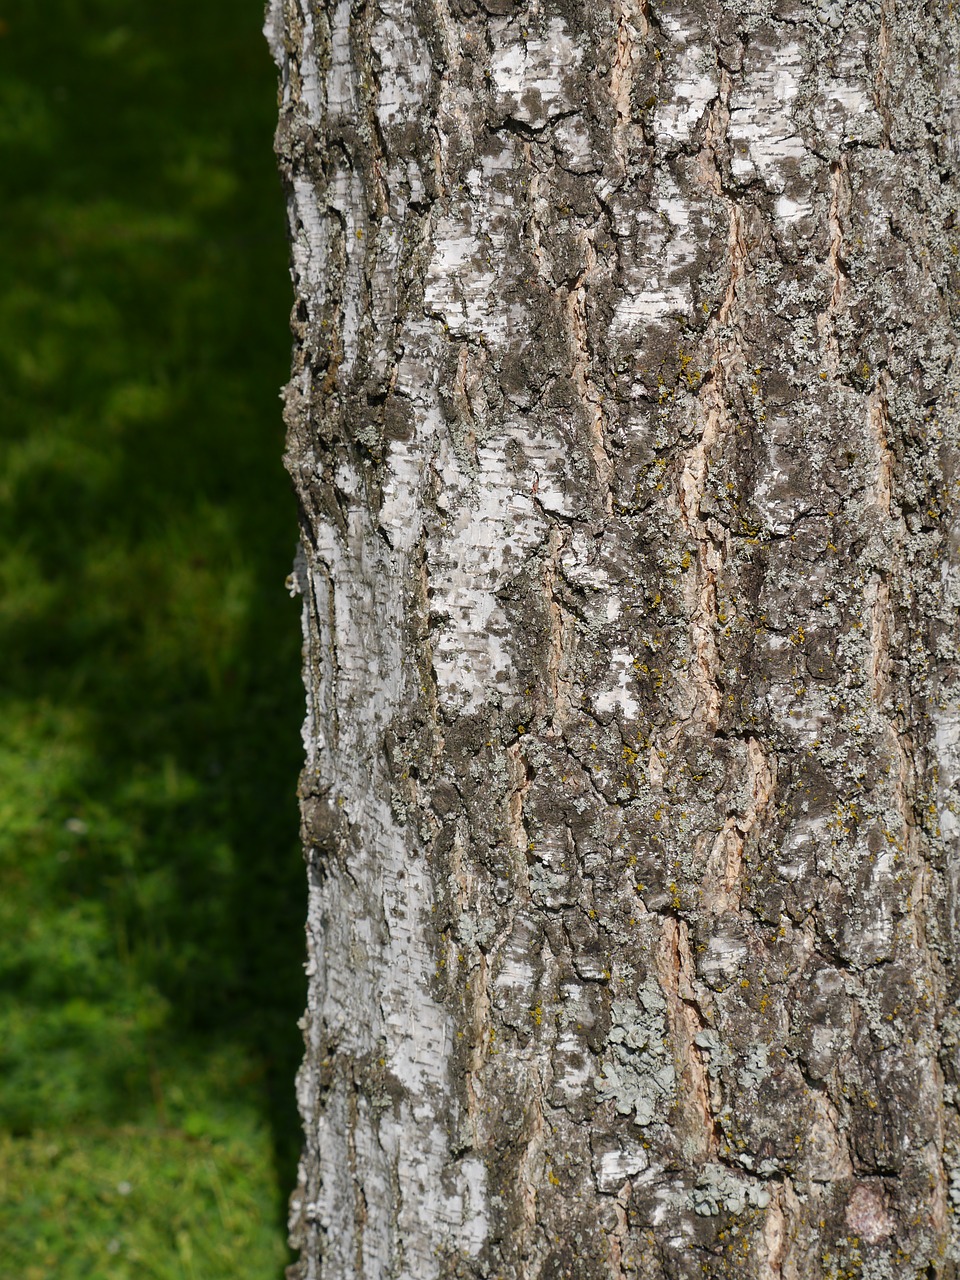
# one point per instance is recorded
(623, 420)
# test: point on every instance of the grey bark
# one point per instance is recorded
(623, 421)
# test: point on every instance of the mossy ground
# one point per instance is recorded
(150, 883)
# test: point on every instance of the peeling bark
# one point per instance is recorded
(623, 420)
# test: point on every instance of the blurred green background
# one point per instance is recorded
(150, 882)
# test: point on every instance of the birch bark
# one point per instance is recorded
(623, 421)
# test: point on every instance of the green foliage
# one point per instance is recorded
(150, 883)
(132, 1204)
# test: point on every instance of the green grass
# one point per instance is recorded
(150, 883)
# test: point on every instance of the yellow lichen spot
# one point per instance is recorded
(536, 1013)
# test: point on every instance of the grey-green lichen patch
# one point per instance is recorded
(718, 1189)
(718, 1055)
(639, 1076)
(756, 1067)
(474, 931)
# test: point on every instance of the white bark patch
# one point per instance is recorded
(693, 83)
(374, 997)
(461, 278)
(775, 494)
(374, 963)
(623, 1159)
(345, 194)
(869, 938)
(950, 97)
(405, 465)
(947, 740)
(310, 243)
(844, 109)
(341, 96)
(401, 510)
(798, 849)
(476, 1224)
(533, 81)
(383, 291)
(403, 81)
(725, 954)
(571, 140)
(579, 562)
(659, 253)
(273, 30)
(789, 210)
(464, 285)
(492, 523)
(619, 697)
(762, 132)
(311, 87)
(572, 1066)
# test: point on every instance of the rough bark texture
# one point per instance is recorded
(624, 424)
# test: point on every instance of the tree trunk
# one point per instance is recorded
(623, 420)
